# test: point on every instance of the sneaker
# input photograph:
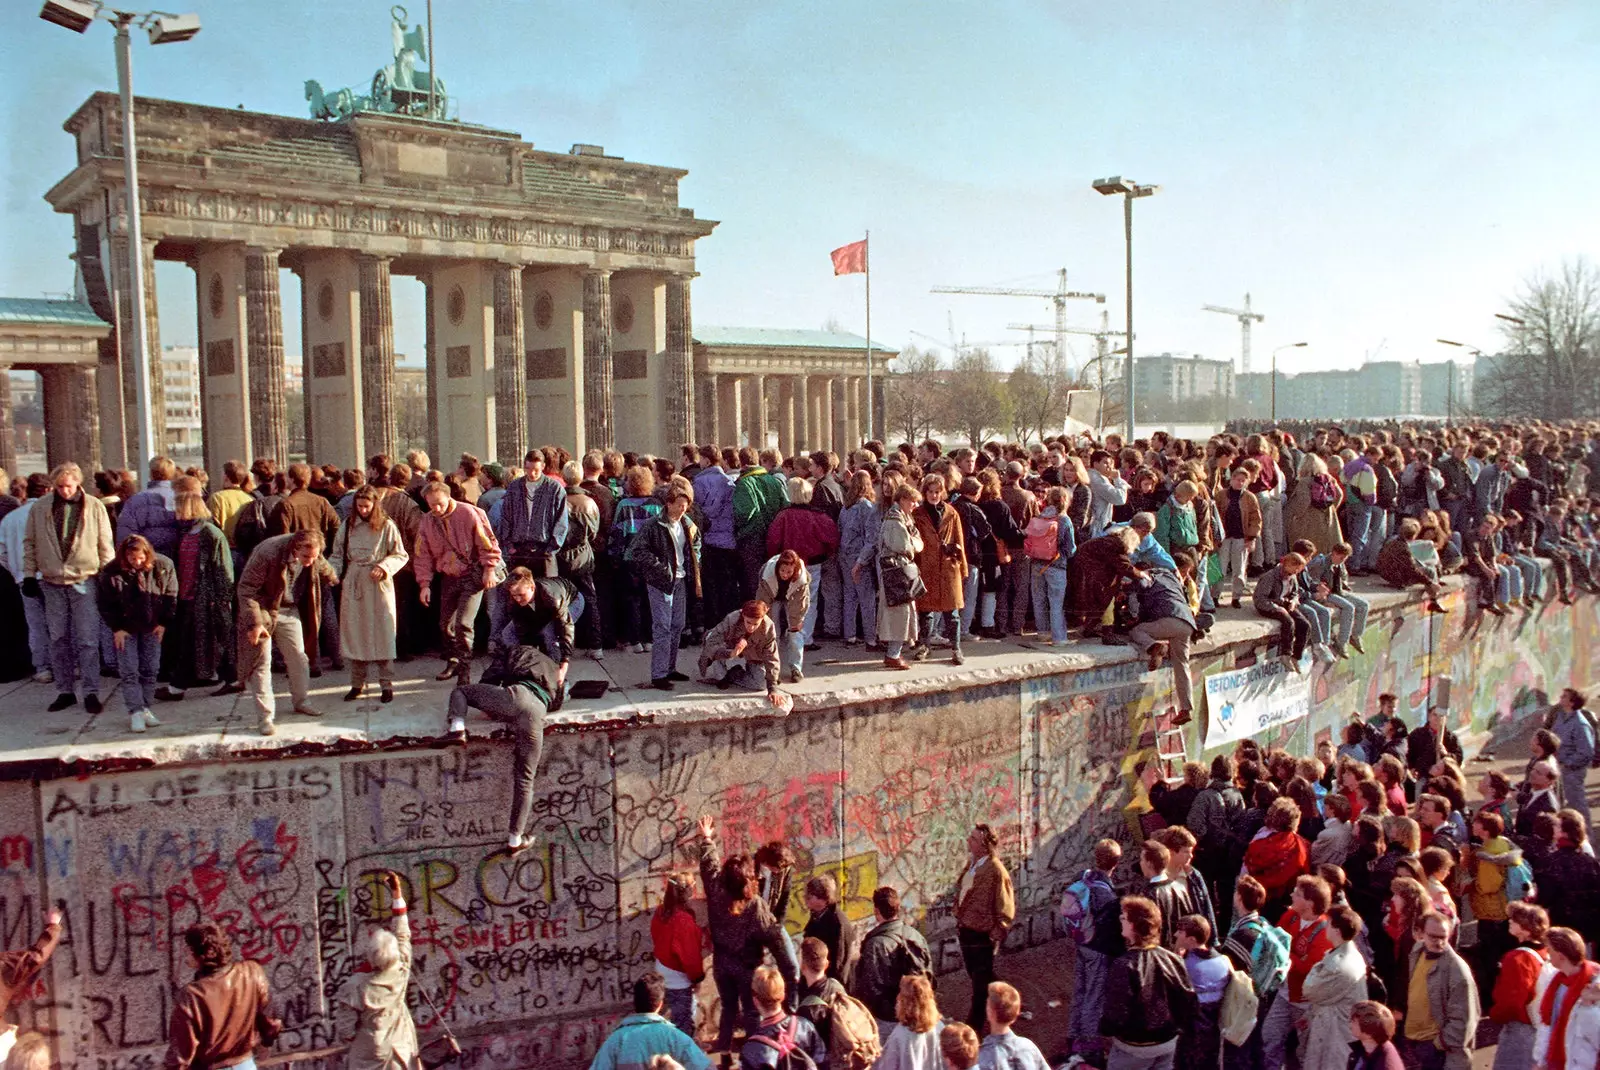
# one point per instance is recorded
(136, 721)
(597, 655)
(958, 658)
(1322, 653)
(92, 703)
(796, 676)
(677, 677)
(920, 652)
(646, 647)
(45, 677)
(305, 709)
(852, 642)
(639, 648)
(64, 701)
(150, 719)
(518, 842)
(267, 728)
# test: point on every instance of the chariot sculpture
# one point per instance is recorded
(400, 88)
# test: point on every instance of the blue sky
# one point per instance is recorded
(1377, 175)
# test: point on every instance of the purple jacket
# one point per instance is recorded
(713, 493)
(150, 513)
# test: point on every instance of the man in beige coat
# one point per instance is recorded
(743, 644)
(67, 541)
(386, 1036)
(986, 906)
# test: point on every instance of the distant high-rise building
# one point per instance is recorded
(180, 379)
(1380, 390)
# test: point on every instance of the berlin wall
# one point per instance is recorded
(529, 957)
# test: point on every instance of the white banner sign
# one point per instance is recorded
(1247, 702)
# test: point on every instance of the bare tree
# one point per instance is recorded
(1552, 368)
(974, 401)
(913, 394)
(1037, 389)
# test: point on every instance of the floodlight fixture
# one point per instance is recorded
(166, 29)
(75, 15)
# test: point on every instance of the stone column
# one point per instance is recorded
(269, 430)
(728, 410)
(377, 358)
(430, 357)
(71, 416)
(8, 431)
(680, 423)
(597, 366)
(706, 413)
(852, 416)
(756, 410)
(839, 402)
(786, 444)
(510, 376)
(804, 428)
(821, 414)
(124, 307)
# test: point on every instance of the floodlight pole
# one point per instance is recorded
(147, 446)
(1127, 367)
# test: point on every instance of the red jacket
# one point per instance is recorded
(677, 943)
(1307, 945)
(1518, 981)
(1276, 860)
(806, 530)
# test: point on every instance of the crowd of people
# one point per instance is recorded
(756, 559)
(1266, 870)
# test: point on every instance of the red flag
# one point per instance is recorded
(850, 259)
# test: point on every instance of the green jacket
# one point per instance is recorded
(1453, 1004)
(756, 500)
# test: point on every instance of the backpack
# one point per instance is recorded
(1039, 541)
(853, 1043)
(1519, 882)
(250, 529)
(1323, 493)
(1240, 1005)
(1269, 960)
(1547, 973)
(790, 1055)
(1077, 907)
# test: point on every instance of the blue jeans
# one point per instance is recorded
(137, 663)
(1532, 575)
(74, 624)
(791, 644)
(680, 1008)
(668, 614)
(1353, 611)
(1049, 599)
(38, 632)
(950, 620)
(1359, 515)
(861, 598)
(815, 583)
(1377, 531)
(969, 599)
(1088, 1000)
(1320, 618)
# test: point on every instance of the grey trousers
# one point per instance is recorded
(1177, 635)
(459, 599)
(74, 623)
(289, 637)
(520, 708)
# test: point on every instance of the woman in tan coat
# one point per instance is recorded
(386, 1037)
(1304, 519)
(366, 553)
(943, 563)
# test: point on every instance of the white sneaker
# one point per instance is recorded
(639, 648)
(646, 647)
(136, 721)
(597, 654)
(150, 720)
(44, 677)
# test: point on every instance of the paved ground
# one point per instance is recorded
(203, 727)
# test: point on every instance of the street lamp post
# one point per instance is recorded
(1450, 382)
(1275, 352)
(164, 28)
(1128, 190)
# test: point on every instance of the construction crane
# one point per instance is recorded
(956, 348)
(1245, 317)
(1100, 336)
(1059, 297)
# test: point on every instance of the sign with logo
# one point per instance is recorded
(1246, 702)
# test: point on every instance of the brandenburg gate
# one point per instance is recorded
(557, 284)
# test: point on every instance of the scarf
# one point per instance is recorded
(1573, 985)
